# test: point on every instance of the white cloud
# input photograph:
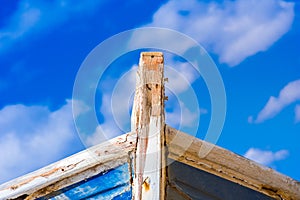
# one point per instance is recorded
(183, 116)
(180, 91)
(250, 119)
(230, 29)
(35, 16)
(266, 157)
(79, 107)
(121, 99)
(33, 136)
(103, 132)
(115, 107)
(180, 75)
(297, 113)
(288, 95)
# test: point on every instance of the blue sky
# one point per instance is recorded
(255, 45)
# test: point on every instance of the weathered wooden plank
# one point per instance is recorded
(230, 166)
(106, 185)
(105, 171)
(198, 184)
(148, 122)
(71, 170)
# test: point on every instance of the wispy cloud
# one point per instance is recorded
(297, 113)
(37, 16)
(116, 103)
(266, 157)
(288, 95)
(230, 29)
(181, 116)
(181, 75)
(33, 136)
(103, 132)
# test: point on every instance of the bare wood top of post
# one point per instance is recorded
(148, 122)
(149, 93)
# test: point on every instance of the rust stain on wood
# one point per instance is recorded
(148, 107)
(46, 174)
(146, 184)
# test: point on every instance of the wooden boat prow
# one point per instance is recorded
(153, 161)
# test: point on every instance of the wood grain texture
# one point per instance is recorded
(230, 166)
(71, 170)
(148, 122)
(106, 185)
(144, 152)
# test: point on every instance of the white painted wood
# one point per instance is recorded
(148, 122)
(71, 170)
(146, 143)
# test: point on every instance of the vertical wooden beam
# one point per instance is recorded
(148, 120)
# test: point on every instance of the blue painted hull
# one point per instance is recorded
(113, 184)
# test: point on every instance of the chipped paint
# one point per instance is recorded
(71, 170)
(132, 166)
(146, 184)
(148, 122)
(232, 167)
(107, 185)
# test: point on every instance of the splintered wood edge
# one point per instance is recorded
(231, 166)
(151, 54)
(73, 169)
(148, 118)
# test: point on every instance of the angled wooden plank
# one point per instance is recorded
(71, 170)
(199, 184)
(105, 185)
(148, 122)
(230, 166)
(106, 170)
